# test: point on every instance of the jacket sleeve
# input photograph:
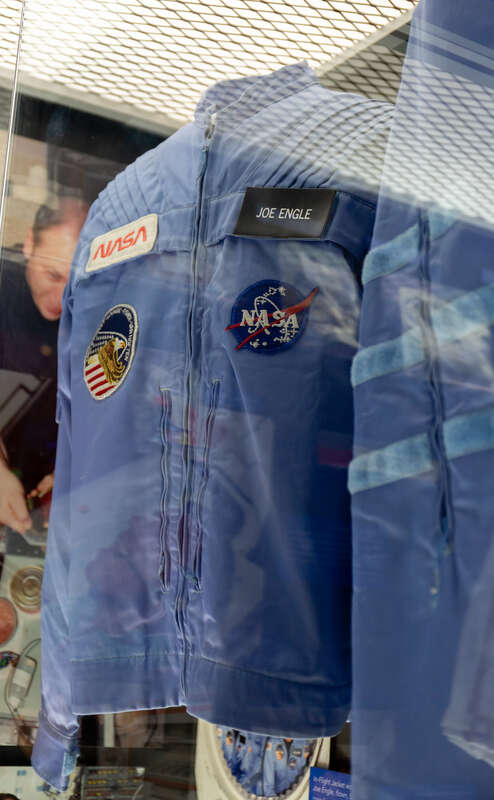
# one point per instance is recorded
(56, 747)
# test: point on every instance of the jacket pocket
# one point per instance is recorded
(166, 407)
(213, 402)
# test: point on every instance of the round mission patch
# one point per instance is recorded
(269, 315)
(111, 351)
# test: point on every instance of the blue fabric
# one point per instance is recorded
(469, 433)
(199, 550)
(468, 315)
(391, 256)
(424, 443)
(395, 462)
(55, 754)
(381, 359)
(468, 721)
(464, 434)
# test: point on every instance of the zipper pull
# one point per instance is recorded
(210, 130)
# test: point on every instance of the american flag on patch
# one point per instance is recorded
(95, 378)
(111, 351)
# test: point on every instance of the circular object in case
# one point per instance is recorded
(25, 588)
(214, 778)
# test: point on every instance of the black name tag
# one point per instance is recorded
(284, 213)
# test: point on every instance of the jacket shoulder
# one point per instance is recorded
(159, 181)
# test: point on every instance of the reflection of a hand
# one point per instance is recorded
(24, 738)
(141, 602)
(39, 503)
(13, 508)
(44, 486)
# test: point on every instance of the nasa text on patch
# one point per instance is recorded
(284, 213)
(269, 315)
(121, 244)
(111, 351)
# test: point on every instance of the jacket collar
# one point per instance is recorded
(233, 101)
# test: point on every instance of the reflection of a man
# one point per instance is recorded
(30, 307)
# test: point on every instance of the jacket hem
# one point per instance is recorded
(215, 692)
(265, 704)
(125, 683)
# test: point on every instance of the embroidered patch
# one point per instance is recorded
(131, 240)
(269, 315)
(111, 352)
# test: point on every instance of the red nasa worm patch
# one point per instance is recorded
(111, 351)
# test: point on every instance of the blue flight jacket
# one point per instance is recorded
(199, 545)
(421, 477)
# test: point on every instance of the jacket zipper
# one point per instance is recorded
(444, 509)
(204, 479)
(164, 571)
(180, 605)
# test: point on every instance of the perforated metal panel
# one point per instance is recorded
(156, 56)
(10, 11)
(10, 18)
(374, 71)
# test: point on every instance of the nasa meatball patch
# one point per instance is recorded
(269, 316)
(111, 352)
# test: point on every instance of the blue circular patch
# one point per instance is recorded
(111, 351)
(269, 315)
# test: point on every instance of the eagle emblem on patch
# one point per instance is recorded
(269, 315)
(111, 351)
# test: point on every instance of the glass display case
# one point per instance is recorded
(245, 421)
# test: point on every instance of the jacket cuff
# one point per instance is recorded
(54, 755)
